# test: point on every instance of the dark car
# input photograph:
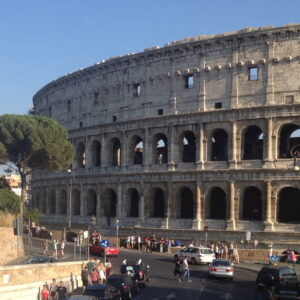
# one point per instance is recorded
(96, 290)
(139, 272)
(120, 287)
(285, 291)
(39, 260)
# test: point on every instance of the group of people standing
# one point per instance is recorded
(54, 291)
(54, 244)
(95, 272)
(222, 250)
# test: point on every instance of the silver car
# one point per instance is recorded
(221, 268)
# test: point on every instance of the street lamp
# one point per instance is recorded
(72, 179)
(295, 153)
(117, 227)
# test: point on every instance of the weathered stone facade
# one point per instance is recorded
(198, 132)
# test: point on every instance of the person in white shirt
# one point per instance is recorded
(186, 270)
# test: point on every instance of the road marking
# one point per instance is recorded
(171, 296)
(227, 296)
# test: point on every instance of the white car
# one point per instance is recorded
(221, 268)
(196, 255)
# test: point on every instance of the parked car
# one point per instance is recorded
(120, 287)
(269, 276)
(139, 272)
(196, 255)
(221, 268)
(111, 250)
(39, 260)
(96, 290)
(285, 291)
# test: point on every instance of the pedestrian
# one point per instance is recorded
(177, 267)
(101, 272)
(293, 258)
(53, 289)
(91, 265)
(55, 249)
(235, 255)
(186, 270)
(108, 267)
(46, 246)
(148, 245)
(94, 276)
(62, 248)
(61, 292)
(85, 277)
(139, 240)
(45, 293)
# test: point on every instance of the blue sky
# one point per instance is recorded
(43, 40)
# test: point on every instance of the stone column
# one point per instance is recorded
(142, 205)
(201, 97)
(120, 202)
(268, 145)
(233, 155)
(82, 202)
(171, 149)
(231, 219)
(124, 151)
(268, 222)
(235, 80)
(197, 219)
(103, 153)
(270, 75)
(200, 148)
(147, 150)
(168, 205)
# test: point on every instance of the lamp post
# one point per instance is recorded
(295, 153)
(117, 227)
(72, 179)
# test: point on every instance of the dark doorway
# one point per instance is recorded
(76, 202)
(80, 154)
(62, 204)
(289, 205)
(253, 143)
(218, 204)
(137, 150)
(288, 138)
(252, 204)
(187, 204)
(189, 147)
(110, 203)
(52, 203)
(91, 203)
(96, 154)
(116, 153)
(134, 203)
(159, 204)
(219, 151)
(160, 149)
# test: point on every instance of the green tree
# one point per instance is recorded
(9, 202)
(33, 142)
(4, 183)
(32, 214)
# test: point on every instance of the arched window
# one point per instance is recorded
(188, 152)
(289, 205)
(134, 199)
(80, 155)
(76, 203)
(158, 203)
(62, 203)
(253, 143)
(252, 204)
(219, 149)
(52, 203)
(160, 149)
(289, 137)
(91, 203)
(186, 204)
(136, 150)
(109, 203)
(217, 204)
(114, 152)
(96, 154)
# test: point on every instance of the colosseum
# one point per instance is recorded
(204, 131)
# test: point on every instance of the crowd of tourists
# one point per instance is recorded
(54, 291)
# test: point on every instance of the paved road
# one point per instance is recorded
(164, 285)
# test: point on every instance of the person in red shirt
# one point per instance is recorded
(45, 293)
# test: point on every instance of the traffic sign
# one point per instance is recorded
(104, 243)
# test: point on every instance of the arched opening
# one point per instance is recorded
(219, 149)
(158, 204)
(289, 137)
(76, 203)
(252, 204)
(160, 149)
(96, 154)
(91, 203)
(44, 204)
(114, 152)
(136, 150)
(188, 147)
(80, 155)
(218, 204)
(109, 203)
(186, 204)
(62, 203)
(253, 143)
(289, 205)
(134, 200)
(52, 203)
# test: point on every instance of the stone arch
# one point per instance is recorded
(253, 143)
(96, 154)
(158, 203)
(109, 203)
(289, 205)
(160, 149)
(62, 203)
(76, 202)
(52, 203)
(186, 203)
(44, 203)
(252, 204)
(219, 145)
(187, 150)
(218, 205)
(136, 150)
(133, 198)
(91, 203)
(80, 155)
(114, 152)
(289, 137)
